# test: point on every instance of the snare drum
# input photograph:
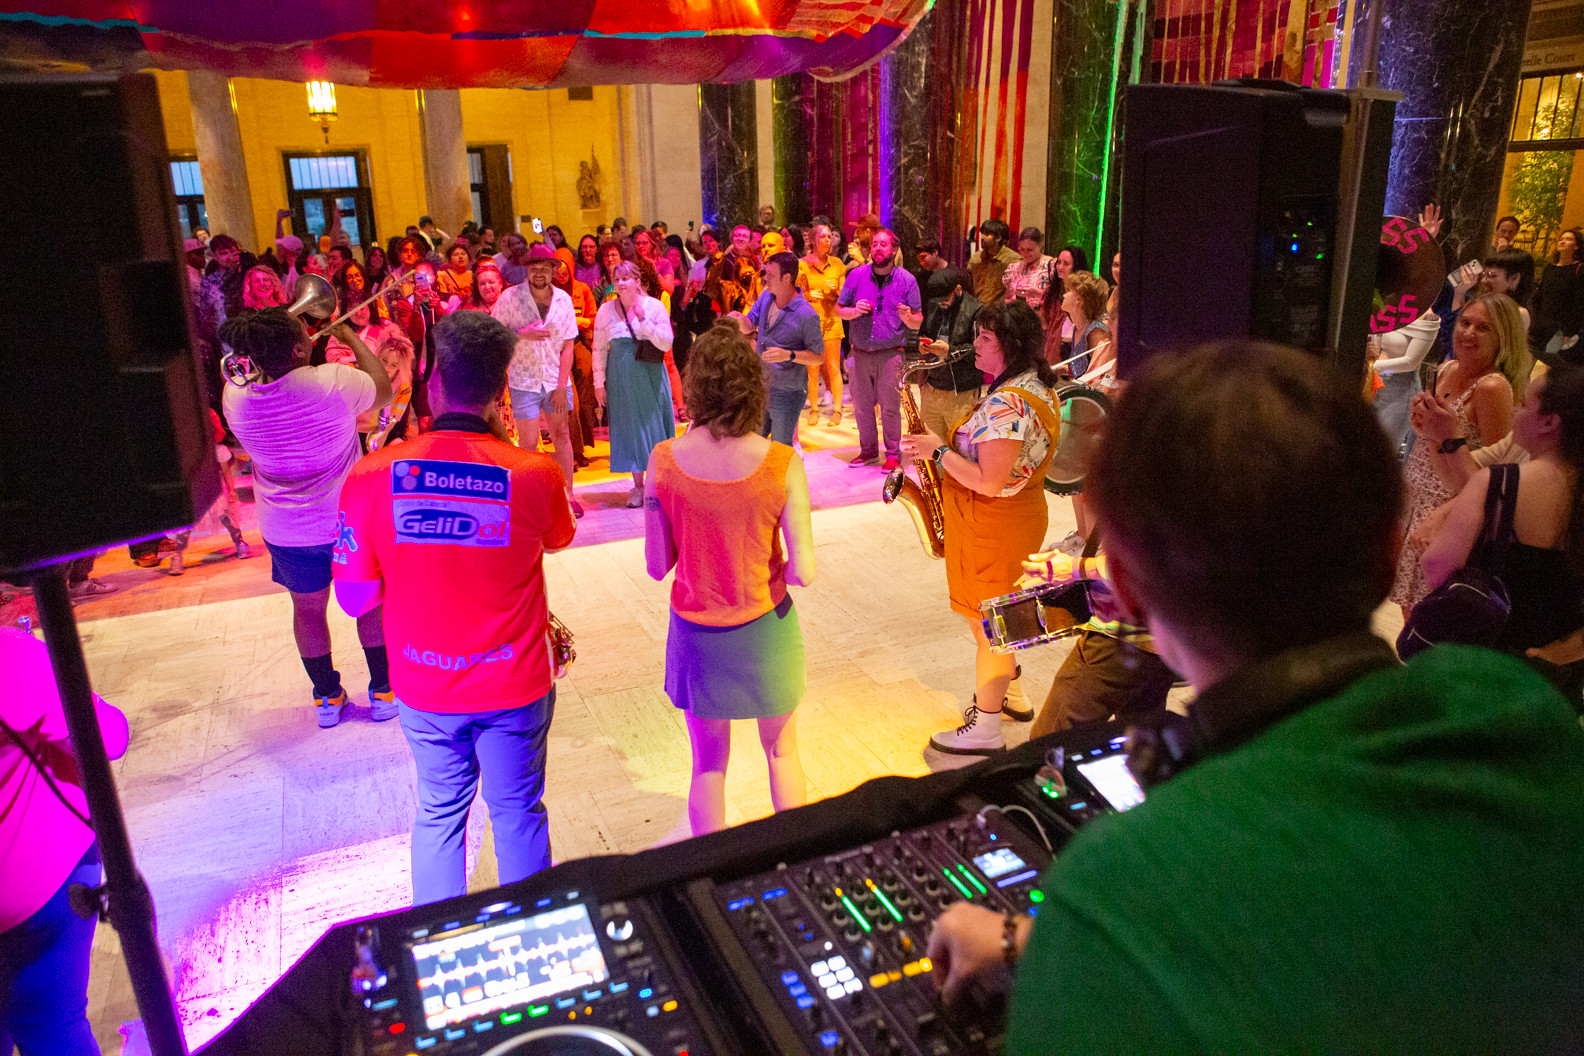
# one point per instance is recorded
(1083, 415)
(1035, 616)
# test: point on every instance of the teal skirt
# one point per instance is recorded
(638, 398)
(751, 671)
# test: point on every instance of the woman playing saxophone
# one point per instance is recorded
(993, 501)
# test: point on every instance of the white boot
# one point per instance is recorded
(973, 737)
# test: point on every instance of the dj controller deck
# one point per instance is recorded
(804, 934)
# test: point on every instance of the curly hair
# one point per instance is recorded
(1092, 292)
(724, 385)
(269, 338)
(278, 291)
(1017, 330)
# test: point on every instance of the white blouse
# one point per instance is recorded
(649, 321)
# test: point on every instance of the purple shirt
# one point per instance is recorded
(881, 329)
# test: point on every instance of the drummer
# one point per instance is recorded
(1113, 670)
(994, 503)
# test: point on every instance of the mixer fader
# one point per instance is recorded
(841, 940)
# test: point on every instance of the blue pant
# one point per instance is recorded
(782, 413)
(449, 751)
(44, 975)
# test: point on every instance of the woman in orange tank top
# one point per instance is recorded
(718, 503)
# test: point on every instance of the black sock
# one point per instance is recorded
(326, 679)
(379, 668)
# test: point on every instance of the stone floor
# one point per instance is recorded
(256, 830)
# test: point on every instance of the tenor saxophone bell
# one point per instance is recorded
(922, 499)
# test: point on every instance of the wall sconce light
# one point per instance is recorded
(322, 105)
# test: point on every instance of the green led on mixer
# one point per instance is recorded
(886, 902)
(859, 917)
(958, 884)
(972, 879)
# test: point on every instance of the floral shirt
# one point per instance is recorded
(1005, 415)
(536, 365)
(1029, 281)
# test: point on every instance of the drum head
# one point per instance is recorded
(1083, 415)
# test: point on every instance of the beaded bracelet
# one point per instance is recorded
(1009, 948)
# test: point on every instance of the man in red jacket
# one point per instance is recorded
(450, 530)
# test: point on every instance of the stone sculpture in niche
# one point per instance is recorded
(588, 181)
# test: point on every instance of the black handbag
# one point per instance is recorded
(648, 351)
(1472, 606)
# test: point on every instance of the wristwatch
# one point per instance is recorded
(1452, 444)
(938, 454)
(1009, 948)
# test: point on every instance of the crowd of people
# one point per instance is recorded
(395, 464)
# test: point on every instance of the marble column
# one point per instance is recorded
(227, 196)
(447, 190)
(728, 135)
(792, 101)
(1456, 63)
(1083, 58)
(906, 129)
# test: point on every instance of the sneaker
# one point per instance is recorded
(91, 588)
(1072, 546)
(890, 464)
(859, 461)
(148, 560)
(1016, 706)
(972, 737)
(382, 705)
(177, 565)
(330, 708)
(243, 550)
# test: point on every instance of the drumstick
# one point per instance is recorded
(1080, 355)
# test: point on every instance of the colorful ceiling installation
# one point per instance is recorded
(461, 43)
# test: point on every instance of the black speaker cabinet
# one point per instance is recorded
(1244, 209)
(104, 437)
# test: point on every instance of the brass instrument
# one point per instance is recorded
(312, 296)
(561, 652)
(922, 499)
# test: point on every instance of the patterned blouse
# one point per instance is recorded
(1005, 415)
(1029, 281)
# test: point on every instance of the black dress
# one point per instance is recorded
(1547, 605)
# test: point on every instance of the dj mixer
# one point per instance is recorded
(804, 934)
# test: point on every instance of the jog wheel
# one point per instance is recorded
(570, 1041)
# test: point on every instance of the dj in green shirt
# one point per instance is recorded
(1343, 854)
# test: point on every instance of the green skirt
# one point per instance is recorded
(751, 671)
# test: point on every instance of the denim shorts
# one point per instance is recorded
(300, 569)
(530, 403)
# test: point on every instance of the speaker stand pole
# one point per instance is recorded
(130, 907)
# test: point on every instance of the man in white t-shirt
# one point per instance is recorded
(299, 425)
(540, 375)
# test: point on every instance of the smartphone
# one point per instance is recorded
(1469, 272)
(538, 226)
(690, 225)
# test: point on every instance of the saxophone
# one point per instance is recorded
(922, 499)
